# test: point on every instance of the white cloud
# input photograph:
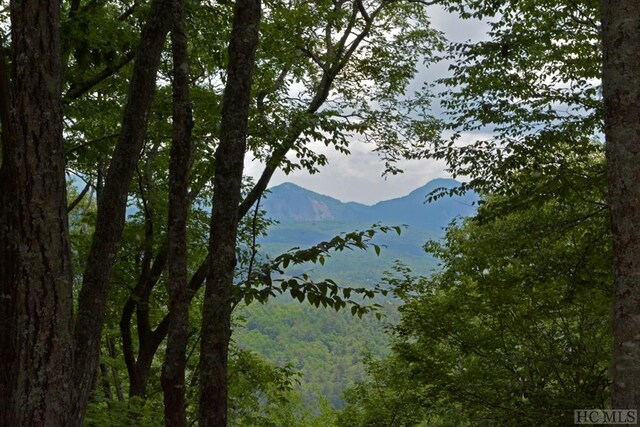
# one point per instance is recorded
(456, 29)
(358, 176)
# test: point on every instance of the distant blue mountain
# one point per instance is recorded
(307, 218)
(289, 202)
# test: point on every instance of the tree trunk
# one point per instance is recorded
(173, 369)
(105, 383)
(621, 92)
(111, 349)
(218, 300)
(8, 254)
(112, 205)
(35, 259)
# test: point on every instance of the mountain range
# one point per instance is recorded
(306, 218)
(288, 203)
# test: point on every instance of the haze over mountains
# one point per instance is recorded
(289, 202)
(307, 218)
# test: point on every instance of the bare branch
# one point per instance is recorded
(91, 142)
(363, 11)
(75, 91)
(78, 199)
(309, 54)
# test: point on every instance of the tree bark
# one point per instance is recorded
(218, 300)
(621, 92)
(173, 369)
(112, 204)
(35, 259)
(8, 253)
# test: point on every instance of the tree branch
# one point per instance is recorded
(78, 199)
(75, 91)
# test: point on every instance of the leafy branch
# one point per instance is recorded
(324, 292)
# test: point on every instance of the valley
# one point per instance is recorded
(325, 347)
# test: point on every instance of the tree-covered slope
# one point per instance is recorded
(325, 346)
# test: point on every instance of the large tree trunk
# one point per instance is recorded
(173, 370)
(621, 91)
(35, 260)
(218, 300)
(8, 254)
(112, 205)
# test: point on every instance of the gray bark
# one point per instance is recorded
(173, 370)
(218, 300)
(35, 260)
(621, 92)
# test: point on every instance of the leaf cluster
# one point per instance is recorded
(529, 90)
(325, 292)
(516, 320)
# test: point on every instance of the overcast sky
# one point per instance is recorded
(358, 177)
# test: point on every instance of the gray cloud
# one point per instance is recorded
(358, 176)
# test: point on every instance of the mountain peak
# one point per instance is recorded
(436, 183)
(288, 186)
(290, 202)
(441, 182)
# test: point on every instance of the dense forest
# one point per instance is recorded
(146, 278)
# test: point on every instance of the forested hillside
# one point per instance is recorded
(517, 319)
(326, 347)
